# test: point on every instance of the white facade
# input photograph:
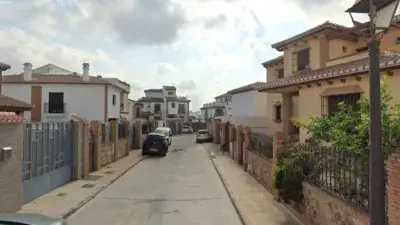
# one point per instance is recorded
(250, 103)
(76, 99)
(82, 95)
(169, 103)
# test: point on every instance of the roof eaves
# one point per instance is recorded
(313, 30)
(4, 67)
(272, 61)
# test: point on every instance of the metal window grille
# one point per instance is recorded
(330, 104)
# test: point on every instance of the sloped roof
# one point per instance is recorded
(9, 104)
(150, 99)
(388, 60)
(50, 69)
(311, 31)
(246, 88)
(54, 78)
(222, 95)
(272, 61)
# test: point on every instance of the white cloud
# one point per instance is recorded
(164, 68)
(19, 47)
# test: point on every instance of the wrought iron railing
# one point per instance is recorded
(262, 144)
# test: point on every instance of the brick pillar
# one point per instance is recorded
(85, 149)
(247, 144)
(217, 132)
(393, 188)
(77, 145)
(222, 138)
(95, 127)
(114, 139)
(138, 134)
(239, 143)
(278, 140)
(127, 136)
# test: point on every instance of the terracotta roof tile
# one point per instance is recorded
(11, 117)
(311, 31)
(272, 61)
(8, 102)
(388, 60)
(70, 79)
(249, 87)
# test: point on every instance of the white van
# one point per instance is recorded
(166, 131)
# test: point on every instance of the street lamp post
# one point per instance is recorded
(381, 13)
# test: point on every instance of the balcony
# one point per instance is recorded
(55, 112)
(214, 105)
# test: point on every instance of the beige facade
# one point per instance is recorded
(334, 65)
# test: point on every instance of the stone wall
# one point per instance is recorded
(321, 207)
(393, 188)
(107, 153)
(10, 167)
(261, 168)
(122, 147)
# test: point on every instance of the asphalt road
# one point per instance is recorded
(182, 188)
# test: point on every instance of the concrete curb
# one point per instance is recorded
(231, 195)
(90, 197)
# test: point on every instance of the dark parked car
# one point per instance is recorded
(155, 143)
(29, 219)
(203, 136)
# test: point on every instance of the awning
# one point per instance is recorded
(352, 89)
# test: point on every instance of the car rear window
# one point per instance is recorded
(203, 132)
(155, 138)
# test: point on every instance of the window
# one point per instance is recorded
(114, 99)
(280, 73)
(277, 112)
(157, 108)
(330, 104)
(56, 102)
(181, 109)
(170, 93)
(303, 59)
(173, 104)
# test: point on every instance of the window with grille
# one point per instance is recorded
(56, 102)
(330, 104)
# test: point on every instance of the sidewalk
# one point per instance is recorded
(253, 202)
(65, 200)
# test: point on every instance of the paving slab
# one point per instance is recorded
(253, 202)
(65, 200)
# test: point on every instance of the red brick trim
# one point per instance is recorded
(105, 103)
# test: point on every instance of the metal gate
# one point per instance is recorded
(46, 158)
(132, 139)
(91, 151)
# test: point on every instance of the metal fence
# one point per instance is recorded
(46, 158)
(262, 144)
(106, 132)
(340, 172)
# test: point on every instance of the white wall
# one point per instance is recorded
(243, 104)
(84, 100)
(172, 111)
(114, 110)
(154, 94)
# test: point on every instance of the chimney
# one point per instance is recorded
(85, 68)
(27, 71)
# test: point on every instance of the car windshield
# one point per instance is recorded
(155, 137)
(203, 132)
(161, 131)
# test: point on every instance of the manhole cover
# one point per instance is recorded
(109, 172)
(87, 186)
(61, 194)
(92, 177)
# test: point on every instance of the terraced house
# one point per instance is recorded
(321, 67)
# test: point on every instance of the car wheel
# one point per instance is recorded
(164, 154)
(189, 132)
(144, 153)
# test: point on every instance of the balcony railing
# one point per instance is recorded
(51, 110)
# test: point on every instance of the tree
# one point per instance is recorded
(349, 128)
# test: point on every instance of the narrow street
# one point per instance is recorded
(181, 188)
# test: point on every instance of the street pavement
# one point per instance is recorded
(181, 188)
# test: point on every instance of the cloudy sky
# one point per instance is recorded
(204, 47)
